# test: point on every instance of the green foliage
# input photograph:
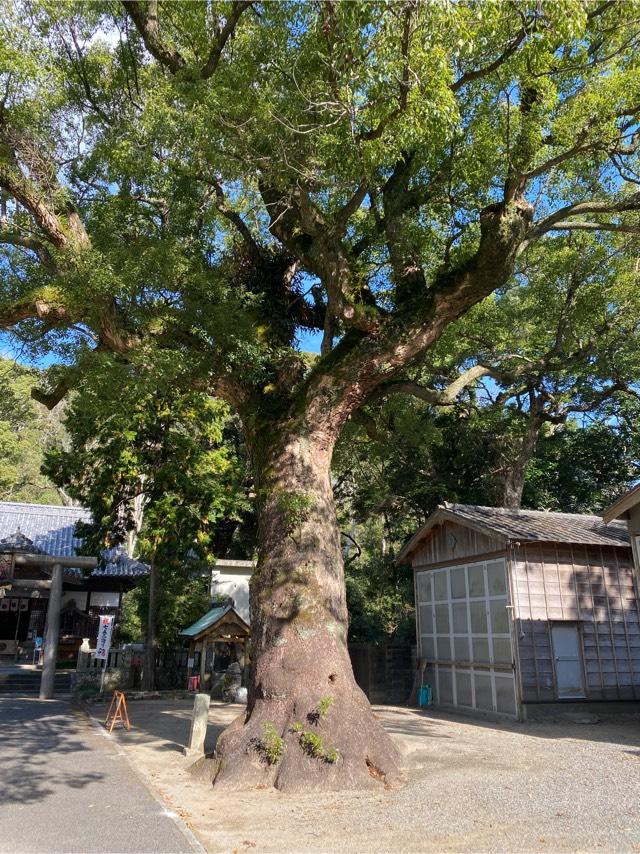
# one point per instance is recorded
(271, 743)
(321, 710)
(331, 755)
(380, 599)
(584, 470)
(27, 431)
(182, 598)
(389, 486)
(130, 620)
(134, 440)
(324, 706)
(313, 744)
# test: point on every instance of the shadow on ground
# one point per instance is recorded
(163, 725)
(619, 728)
(32, 734)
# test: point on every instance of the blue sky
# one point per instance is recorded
(310, 340)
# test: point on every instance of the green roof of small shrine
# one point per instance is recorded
(210, 619)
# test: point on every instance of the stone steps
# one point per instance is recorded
(27, 683)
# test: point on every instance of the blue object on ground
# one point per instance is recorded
(424, 695)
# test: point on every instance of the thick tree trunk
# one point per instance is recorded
(149, 672)
(516, 472)
(308, 726)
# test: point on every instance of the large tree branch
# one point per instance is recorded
(342, 381)
(15, 238)
(435, 397)
(234, 217)
(35, 308)
(237, 8)
(558, 413)
(52, 398)
(302, 228)
(144, 14)
(593, 206)
(625, 228)
(477, 73)
(17, 186)
(60, 224)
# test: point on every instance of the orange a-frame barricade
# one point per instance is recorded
(120, 712)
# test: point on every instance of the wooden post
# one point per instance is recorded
(203, 662)
(51, 637)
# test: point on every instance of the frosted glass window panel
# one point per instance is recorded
(460, 618)
(434, 684)
(499, 616)
(428, 648)
(478, 618)
(424, 587)
(461, 648)
(444, 648)
(426, 619)
(497, 578)
(440, 586)
(445, 678)
(484, 696)
(480, 650)
(505, 695)
(463, 688)
(476, 580)
(442, 619)
(458, 583)
(502, 651)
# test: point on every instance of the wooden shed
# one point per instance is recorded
(516, 607)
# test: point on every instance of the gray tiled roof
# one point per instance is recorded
(116, 562)
(542, 526)
(51, 529)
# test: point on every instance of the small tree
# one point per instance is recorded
(150, 460)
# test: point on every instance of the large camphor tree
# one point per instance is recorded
(211, 178)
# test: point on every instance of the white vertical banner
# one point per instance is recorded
(104, 637)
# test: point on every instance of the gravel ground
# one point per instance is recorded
(472, 786)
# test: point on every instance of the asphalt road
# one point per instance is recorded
(65, 787)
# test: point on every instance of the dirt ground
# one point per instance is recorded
(472, 786)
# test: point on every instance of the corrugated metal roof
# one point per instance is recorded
(51, 529)
(526, 526)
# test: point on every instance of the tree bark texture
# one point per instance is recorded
(149, 673)
(516, 471)
(302, 685)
